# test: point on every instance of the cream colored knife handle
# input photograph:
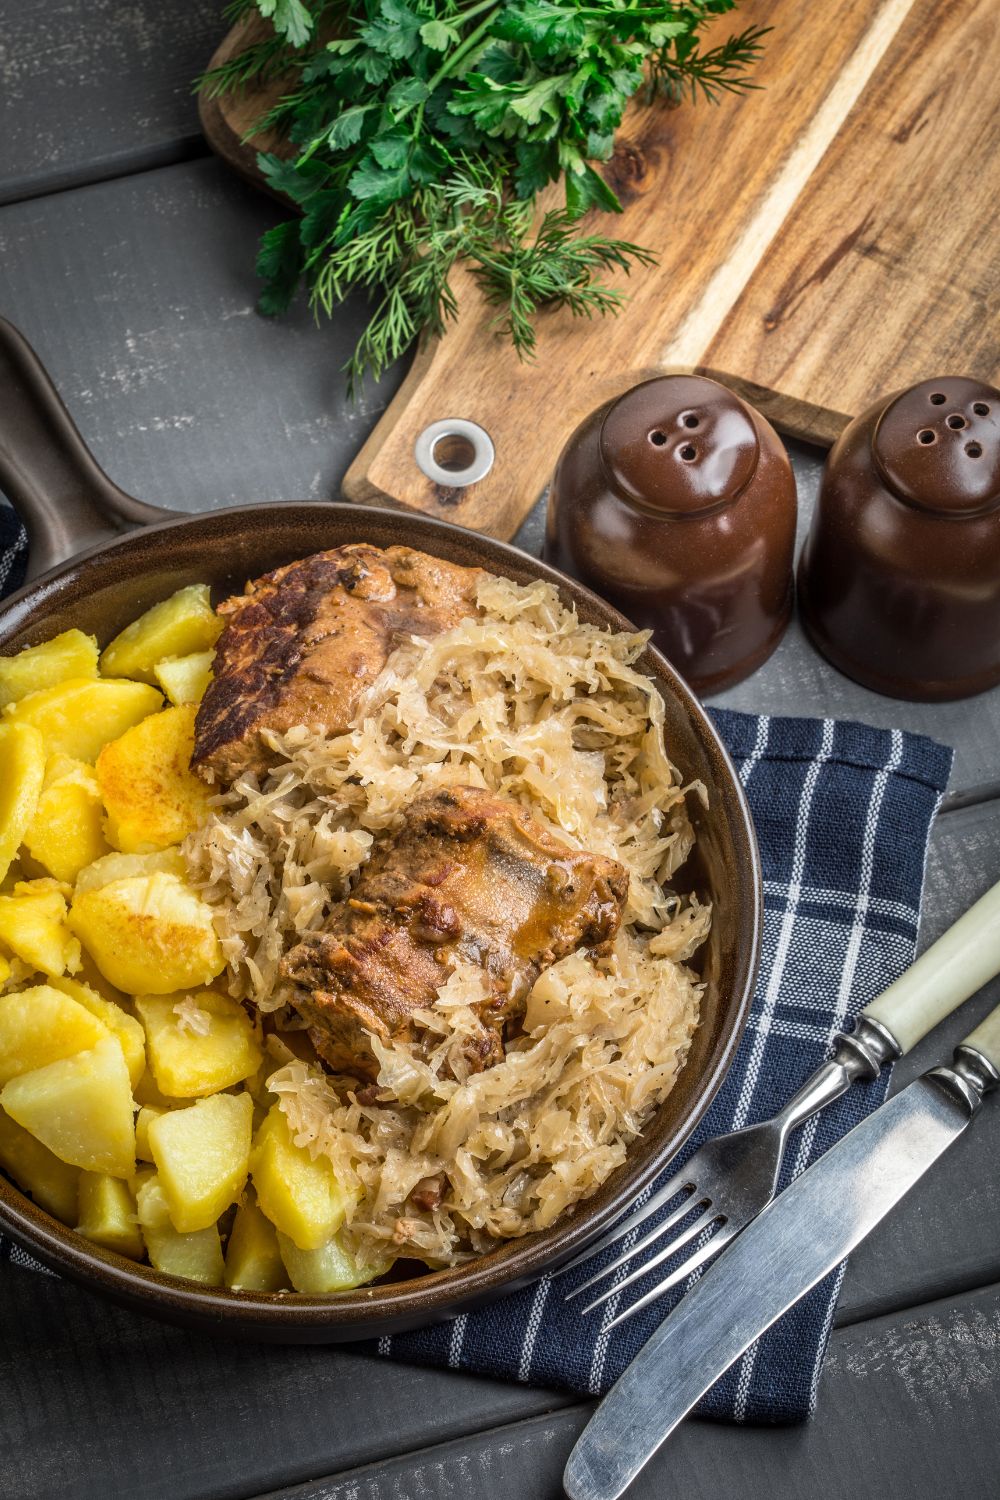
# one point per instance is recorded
(986, 1038)
(952, 969)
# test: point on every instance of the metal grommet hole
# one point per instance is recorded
(690, 419)
(980, 408)
(658, 438)
(956, 421)
(926, 436)
(938, 399)
(454, 452)
(974, 450)
(688, 453)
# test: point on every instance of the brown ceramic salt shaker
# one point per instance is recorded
(899, 583)
(677, 503)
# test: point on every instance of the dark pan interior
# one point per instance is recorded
(105, 589)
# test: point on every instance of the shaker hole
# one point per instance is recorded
(974, 450)
(937, 399)
(689, 452)
(926, 436)
(956, 421)
(980, 408)
(658, 438)
(690, 420)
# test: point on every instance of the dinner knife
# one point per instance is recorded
(783, 1254)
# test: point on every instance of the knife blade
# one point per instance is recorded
(783, 1254)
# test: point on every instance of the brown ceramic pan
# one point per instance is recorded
(98, 558)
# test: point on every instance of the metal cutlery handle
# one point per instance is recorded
(986, 1039)
(952, 969)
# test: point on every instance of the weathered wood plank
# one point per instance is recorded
(139, 296)
(97, 88)
(907, 1410)
(99, 1403)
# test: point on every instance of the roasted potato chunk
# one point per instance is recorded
(80, 1107)
(22, 772)
(33, 927)
(118, 1021)
(299, 1194)
(152, 796)
(185, 678)
(330, 1268)
(253, 1259)
(71, 654)
(202, 1156)
(108, 1215)
(78, 716)
(40, 1025)
(52, 1184)
(148, 934)
(179, 626)
(67, 830)
(196, 1257)
(198, 1042)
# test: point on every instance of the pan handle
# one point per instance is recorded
(48, 473)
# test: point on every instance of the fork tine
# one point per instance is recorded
(713, 1247)
(691, 1202)
(662, 1196)
(693, 1230)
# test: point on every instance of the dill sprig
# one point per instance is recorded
(422, 131)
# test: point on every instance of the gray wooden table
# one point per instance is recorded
(126, 258)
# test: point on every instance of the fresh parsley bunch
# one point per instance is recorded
(423, 130)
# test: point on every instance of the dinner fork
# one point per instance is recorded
(731, 1179)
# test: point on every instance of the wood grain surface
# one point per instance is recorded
(858, 189)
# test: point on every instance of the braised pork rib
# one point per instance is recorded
(469, 875)
(302, 644)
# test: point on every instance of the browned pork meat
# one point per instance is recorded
(302, 644)
(469, 875)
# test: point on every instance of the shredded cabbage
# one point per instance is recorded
(527, 701)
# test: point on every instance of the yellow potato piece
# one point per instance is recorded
(185, 678)
(67, 830)
(52, 1184)
(196, 1257)
(253, 1260)
(202, 1156)
(71, 654)
(81, 1108)
(301, 1196)
(329, 1268)
(178, 626)
(153, 797)
(186, 1063)
(123, 866)
(22, 771)
(147, 1114)
(33, 926)
(118, 1021)
(148, 934)
(40, 1025)
(108, 1215)
(78, 716)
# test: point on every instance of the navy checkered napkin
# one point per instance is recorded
(842, 813)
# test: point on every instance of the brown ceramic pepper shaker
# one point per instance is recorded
(899, 583)
(677, 503)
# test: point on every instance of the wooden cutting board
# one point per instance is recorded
(821, 242)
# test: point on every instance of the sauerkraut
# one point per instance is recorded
(526, 700)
